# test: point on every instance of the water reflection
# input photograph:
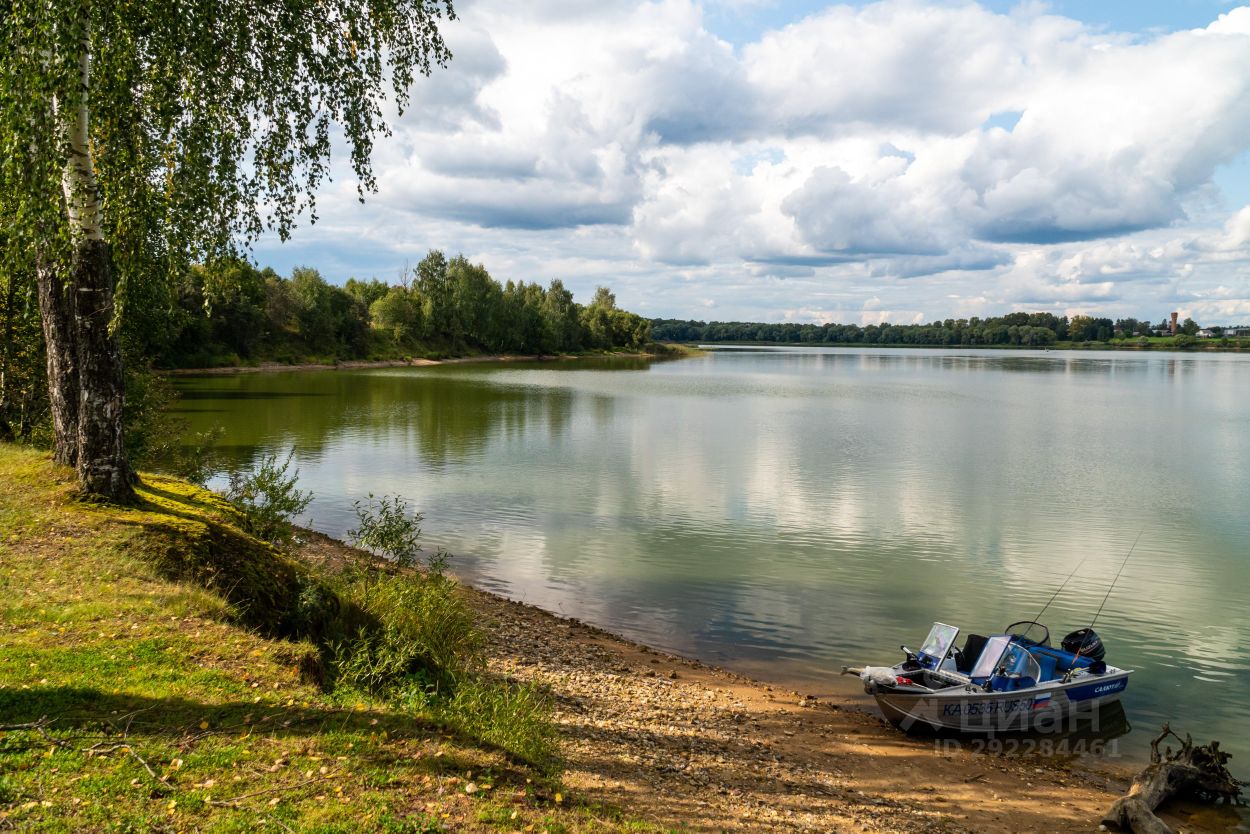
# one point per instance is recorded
(787, 511)
(1092, 730)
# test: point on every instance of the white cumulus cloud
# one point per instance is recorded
(934, 156)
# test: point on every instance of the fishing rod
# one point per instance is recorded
(1036, 620)
(1105, 597)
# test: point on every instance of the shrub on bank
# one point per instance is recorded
(402, 636)
(387, 527)
(268, 499)
(426, 656)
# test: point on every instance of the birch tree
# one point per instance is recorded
(138, 135)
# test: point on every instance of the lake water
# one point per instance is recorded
(784, 512)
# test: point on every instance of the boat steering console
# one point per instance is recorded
(1023, 635)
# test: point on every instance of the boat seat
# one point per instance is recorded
(1010, 683)
(970, 653)
(1049, 665)
(1061, 661)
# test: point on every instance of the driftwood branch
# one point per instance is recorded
(233, 802)
(1195, 771)
(33, 725)
(100, 748)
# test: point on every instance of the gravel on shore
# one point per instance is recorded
(697, 748)
(700, 748)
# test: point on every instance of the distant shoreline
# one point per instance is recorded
(1061, 346)
(365, 364)
(675, 350)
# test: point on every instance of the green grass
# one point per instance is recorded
(184, 676)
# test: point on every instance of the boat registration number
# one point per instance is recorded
(988, 707)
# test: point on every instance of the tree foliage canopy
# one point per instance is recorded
(1018, 329)
(210, 120)
(229, 312)
(138, 135)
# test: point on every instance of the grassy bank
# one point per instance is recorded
(164, 671)
(161, 670)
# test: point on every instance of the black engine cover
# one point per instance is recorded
(1086, 642)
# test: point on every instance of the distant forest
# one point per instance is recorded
(1020, 329)
(231, 313)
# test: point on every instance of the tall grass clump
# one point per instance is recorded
(425, 629)
(510, 716)
(425, 653)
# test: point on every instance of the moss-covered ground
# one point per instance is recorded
(145, 686)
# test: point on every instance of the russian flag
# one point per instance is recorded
(1041, 701)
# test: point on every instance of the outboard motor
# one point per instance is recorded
(1086, 643)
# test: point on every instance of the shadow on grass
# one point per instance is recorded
(69, 708)
(179, 722)
(191, 540)
(197, 507)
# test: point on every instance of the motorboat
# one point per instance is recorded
(998, 682)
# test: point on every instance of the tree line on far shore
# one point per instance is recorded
(230, 312)
(1014, 329)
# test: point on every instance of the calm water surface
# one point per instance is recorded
(784, 512)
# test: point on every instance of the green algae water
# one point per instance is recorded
(783, 512)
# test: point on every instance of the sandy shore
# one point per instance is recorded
(689, 745)
(358, 364)
(698, 748)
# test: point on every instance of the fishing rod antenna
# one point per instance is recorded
(1036, 620)
(1105, 597)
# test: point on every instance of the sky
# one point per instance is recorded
(765, 160)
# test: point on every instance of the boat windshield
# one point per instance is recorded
(990, 655)
(1018, 663)
(938, 644)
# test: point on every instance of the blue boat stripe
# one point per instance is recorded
(1097, 689)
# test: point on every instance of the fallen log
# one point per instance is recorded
(1194, 771)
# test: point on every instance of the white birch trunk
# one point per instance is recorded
(82, 192)
(103, 470)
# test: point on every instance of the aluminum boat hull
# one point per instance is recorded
(1047, 706)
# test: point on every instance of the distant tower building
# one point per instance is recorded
(1173, 323)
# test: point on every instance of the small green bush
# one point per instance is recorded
(195, 461)
(153, 431)
(388, 528)
(268, 498)
(8, 791)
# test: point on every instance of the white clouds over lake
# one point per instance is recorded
(894, 160)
